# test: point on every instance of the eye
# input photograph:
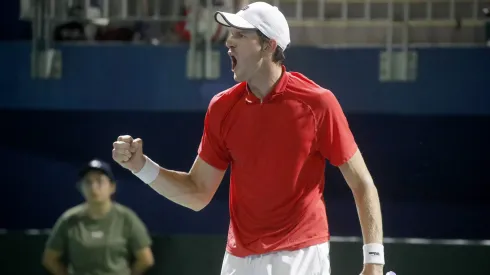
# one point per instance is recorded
(237, 34)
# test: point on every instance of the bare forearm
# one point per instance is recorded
(369, 211)
(179, 188)
(56, 268)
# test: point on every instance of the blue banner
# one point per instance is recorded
(115, 77)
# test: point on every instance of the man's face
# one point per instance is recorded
(246, 53)
(97, 187)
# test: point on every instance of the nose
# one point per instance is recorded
(230, 42)
(91, 185)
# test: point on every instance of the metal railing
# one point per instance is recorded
(45, 14)
(433, 10)
(115, 10)
(297, 11)
(301, 14)
(421, 22)
(392, 24)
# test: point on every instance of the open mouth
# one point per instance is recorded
(233, 62)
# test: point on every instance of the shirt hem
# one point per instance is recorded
(292, 247)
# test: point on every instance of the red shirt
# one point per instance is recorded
(277, 149)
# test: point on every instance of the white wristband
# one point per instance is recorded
(373, 253)
(149, 172)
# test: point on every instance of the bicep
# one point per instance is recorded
(205, 176)
(57, 239)
(212, 151)
(139, 237)
(336, 141)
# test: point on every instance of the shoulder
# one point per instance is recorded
(312, 94)
(126, 213)
(71, 215)
(73, 212)
(222, 102)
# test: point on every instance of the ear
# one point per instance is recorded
(270, 46)
(113, 189)
(81, 191)
(79, 186)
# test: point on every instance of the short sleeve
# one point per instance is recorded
(212, 149)
(336, 141)
(58, 237)
(139, 237)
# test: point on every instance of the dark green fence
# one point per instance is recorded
(20, 254)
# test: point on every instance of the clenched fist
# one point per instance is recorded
(128, 152)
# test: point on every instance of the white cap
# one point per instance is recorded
(259, 16)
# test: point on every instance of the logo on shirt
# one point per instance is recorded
(374, 253)
(97, 234)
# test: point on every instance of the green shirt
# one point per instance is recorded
(99, 246)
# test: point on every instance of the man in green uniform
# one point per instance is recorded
(100, 236)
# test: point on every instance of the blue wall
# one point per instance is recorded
(450, 81)
(425, 142)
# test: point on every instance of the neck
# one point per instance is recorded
(98, 210)
(264, 80)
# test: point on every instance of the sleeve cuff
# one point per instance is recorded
(338, 162)
(216, 163)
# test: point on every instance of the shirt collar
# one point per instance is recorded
(277, 89)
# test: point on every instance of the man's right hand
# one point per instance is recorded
(128, 152)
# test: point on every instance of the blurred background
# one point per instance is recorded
(413, 77)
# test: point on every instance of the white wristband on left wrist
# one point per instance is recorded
(373, 253)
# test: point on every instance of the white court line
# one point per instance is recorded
(416, 241)
(339, 239)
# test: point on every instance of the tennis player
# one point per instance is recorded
(276, 129)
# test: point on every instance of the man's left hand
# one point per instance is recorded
(372, 269)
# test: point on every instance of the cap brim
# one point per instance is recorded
(86, 170)
(232, 20)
